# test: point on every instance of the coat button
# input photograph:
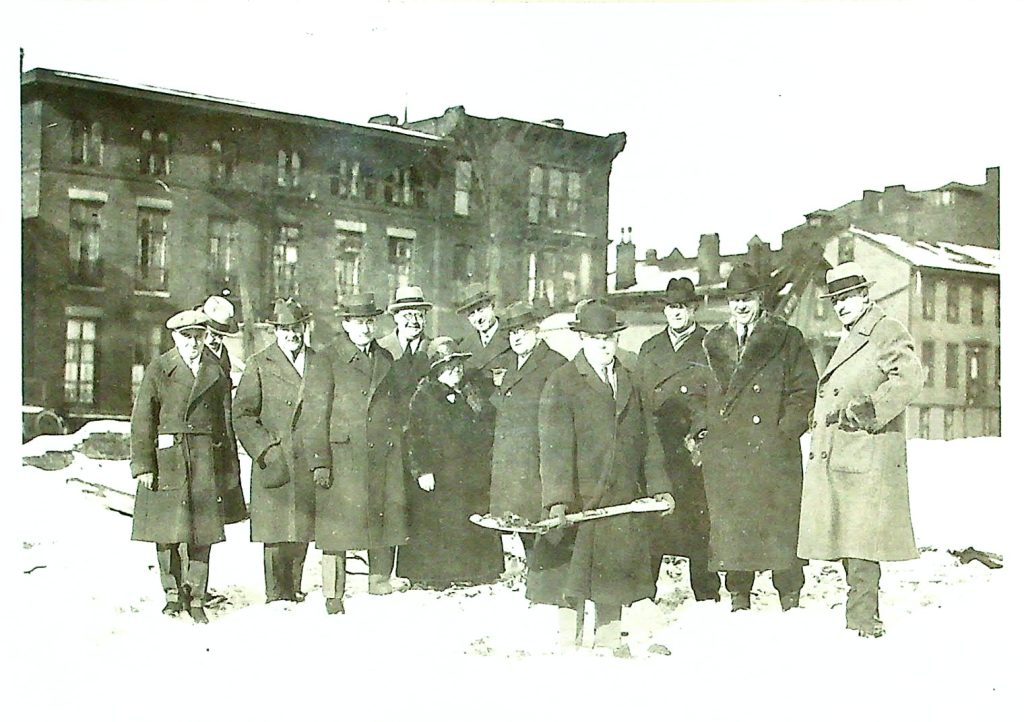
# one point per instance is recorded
(821, 393)
(810, 455)
(721, 412)
(756, 419)
(370, 444)
(288, 402)
(835, 392)
(683, 389)
(757, 388)
(391, 444)
(824, 455)
(814, 424)
(219, 500)
(508, 393)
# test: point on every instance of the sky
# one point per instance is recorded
(740, 116)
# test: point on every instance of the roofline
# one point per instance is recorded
(916, 266)
(63, 78)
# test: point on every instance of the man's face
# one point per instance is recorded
(523, 339)
(451, 374)
(745, 307)
(409, 323)
(291, 338)
(189, 342)
(214, 340)
(359, 329)
(599, 348)
(850, 306)
(679, 315)
(482, 317)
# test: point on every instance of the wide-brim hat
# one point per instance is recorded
(744, 279)
(680, 291)
(190, 318)
(288, 312)
(596, 317)
(359, 304)
(443, 349)
(475, 294)
(845, 277)
(220, 313)
(407, 297)
(519, 314)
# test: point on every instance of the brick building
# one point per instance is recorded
(137, 202)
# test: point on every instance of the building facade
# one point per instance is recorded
(137, 202)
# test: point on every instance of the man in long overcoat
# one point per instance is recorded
(856, 504)
(182, 446)
(598, 448)
(221, 322)
(268, 415)
(408, 342)
(488, 341)
(354, 449)
(674, 375)
(758, 401)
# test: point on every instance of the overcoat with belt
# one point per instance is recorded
(598, 450)
(355, 430)
(757, 408)
(181, 432)
(856, 503)
(515, 459)
(268, 422)
(675, 384)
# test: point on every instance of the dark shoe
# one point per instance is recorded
(740, 602)
(334, 605)
(271, 600)
(716, 597)
(789, 601)
(872, 631)
(198, 615)
(297, 597)
(172, 608)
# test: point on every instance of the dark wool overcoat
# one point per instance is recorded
(757, 408)
(855, 502)
(354, 413)
(448, 435)
(675, 384)
(597, 450)
(268, 422)
(515, 461)
(409, 369)
(496, 354)
(198, 489)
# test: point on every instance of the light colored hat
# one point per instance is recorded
(444, 349)
(845, 277)
(190, 318)
(221, 315)
(408, 297)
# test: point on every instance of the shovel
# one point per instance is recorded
(526, 527)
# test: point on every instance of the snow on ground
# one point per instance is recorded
(87, 630)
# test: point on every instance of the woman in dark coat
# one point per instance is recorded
(448, 444)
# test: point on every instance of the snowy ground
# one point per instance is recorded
(88, 634)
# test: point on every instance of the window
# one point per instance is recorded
(948, 417)
(464, 264)
(977, 304)
(924, 430)
(223, 159)
(946, 198)
(556, 190)
(463, 186)
(845, 250)
(80, 361)
(928, 299)
(928, 362)
(84, 243)
(155, 158)
(536, 193)
(148, 345)
(346, 264)
(555, 197)
(286, 262)
(574, 195)
(977, 376)
(952, 366)
(223, 259)
(399, 261)
(821, 305)
(952, 302)
(151, 264)
(87, 143)
(289, 168)
(345, 179)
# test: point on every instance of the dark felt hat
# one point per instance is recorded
(596, 317)
(744, 279)
(680, 291)
(475, 294)
(520, 314)
(288, 312)
(359, 304)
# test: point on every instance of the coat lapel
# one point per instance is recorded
(380, 364)
(210, 372)
(623, 389)
(854, 341)
(277, 361)
(764, 343)
(532, 365)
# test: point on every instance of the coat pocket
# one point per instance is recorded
(171, 470)
(852, 451)
(274, 468)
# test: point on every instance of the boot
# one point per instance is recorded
(608, 632)
(173, 607)
(335, 605)
(198, 615)
(570, 627)
(789, 601)
(380, 584)
(740, 602)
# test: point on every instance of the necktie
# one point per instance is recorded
(608, 379)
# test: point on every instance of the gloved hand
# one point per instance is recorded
(322, 477)
(426, 482)
(147, 479)
(558, 512)
(666, 497)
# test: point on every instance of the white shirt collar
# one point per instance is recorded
(486, 336)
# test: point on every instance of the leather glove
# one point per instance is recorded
(426, 482)
(322, 477)
(147, 479)
(558, 512)
(667, 497)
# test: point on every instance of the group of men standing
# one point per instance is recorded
(707, 422)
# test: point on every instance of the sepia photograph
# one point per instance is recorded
(487, 360)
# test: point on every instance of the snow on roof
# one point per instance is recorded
(652, 278)
(937, 254)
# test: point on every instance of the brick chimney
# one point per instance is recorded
(757, 254)
(708, 259)
(625, 265)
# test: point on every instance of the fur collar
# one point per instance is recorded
(721, 346)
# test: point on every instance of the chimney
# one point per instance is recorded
(708, 259)
(625, 265)
(558, 122)
(757, 254)
(391, 120)
(651, 257)
(992, 179)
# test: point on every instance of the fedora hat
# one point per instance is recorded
(408, 297)
(220, 313)
(844, 277)
(475, 294)
(680, 291)
(359, 304)
(288, 312)
(743, 279)
(443, 349)
(520, 314)
(190, 318)
(596, 317)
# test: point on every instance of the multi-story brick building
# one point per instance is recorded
(137, 202)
